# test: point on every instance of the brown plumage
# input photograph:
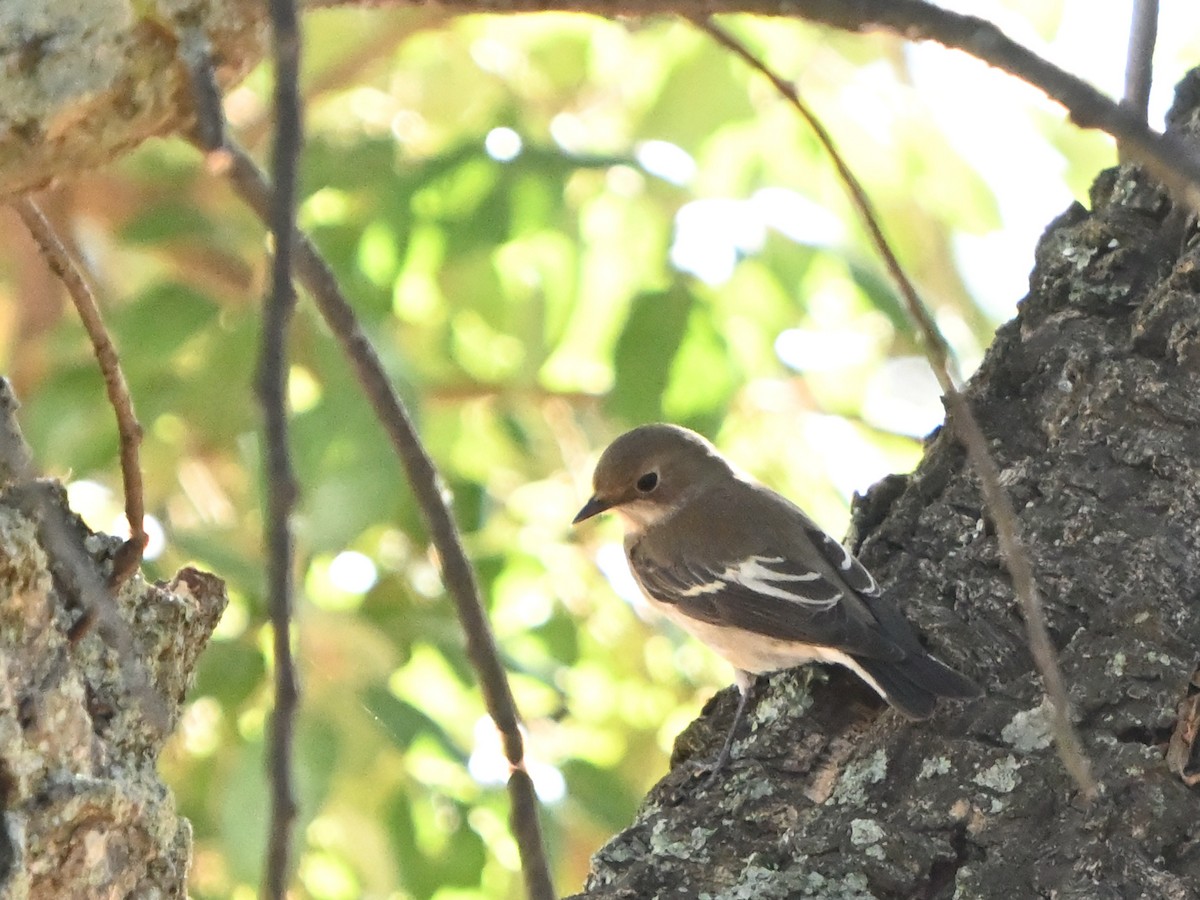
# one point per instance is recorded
(748, 573)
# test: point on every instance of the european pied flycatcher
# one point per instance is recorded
(753, 577)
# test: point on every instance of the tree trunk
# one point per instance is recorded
(1091, 402)
(84, 713)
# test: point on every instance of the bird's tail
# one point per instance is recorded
(912, 685)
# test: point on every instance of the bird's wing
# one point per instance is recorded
(849, 569)
(778, 595)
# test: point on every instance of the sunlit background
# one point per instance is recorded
(554, 228)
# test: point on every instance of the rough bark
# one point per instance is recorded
(83, 82)
(83, 813)
(1091, 401)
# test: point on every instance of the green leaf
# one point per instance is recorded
(704, 375)
(402, 722)
(164, 316)
(645, 353)
(600, 793)
(242, 804)
(706, 72)
(231, 671)
(560, 633)
(167, 221)
(455, 860)
(881, 295)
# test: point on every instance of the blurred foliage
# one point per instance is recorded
(553, 228)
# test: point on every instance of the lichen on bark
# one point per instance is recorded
(84, 813)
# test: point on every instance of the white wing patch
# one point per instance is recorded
(856, 575)
(847, 559)
(753, 574)
(710, 587)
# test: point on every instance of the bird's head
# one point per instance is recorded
(646, 474)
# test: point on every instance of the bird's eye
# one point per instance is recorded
(647, 482)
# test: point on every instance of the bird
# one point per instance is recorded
(750, 574)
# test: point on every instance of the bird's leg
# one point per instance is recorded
(745, 683)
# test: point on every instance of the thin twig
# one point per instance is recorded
(1139, 61)
(965, 425)
(431, 496)
(272, 390)
(433, 499)
(196, 53)
(129, 432)
(936, 348)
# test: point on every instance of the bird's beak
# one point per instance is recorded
(591, 508)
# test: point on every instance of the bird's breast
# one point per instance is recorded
(749, 650)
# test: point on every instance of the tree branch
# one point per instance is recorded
(1166, 157)
(129, 432)
(433, 499)
(1139, 61)
(428, 489)
(272, 389)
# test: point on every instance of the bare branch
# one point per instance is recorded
(965, 426)
(272, 391)
(1166, 156)
(196, 53)
(129, 432)
(428, 488)
(1139, 62)
(433, 500)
